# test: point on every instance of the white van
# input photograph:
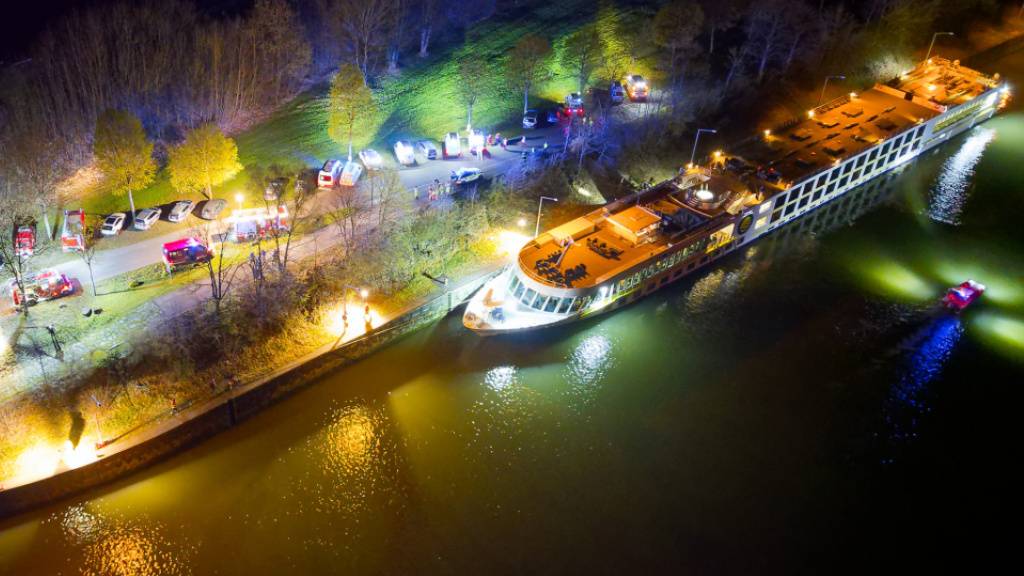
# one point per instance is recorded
(329, 174)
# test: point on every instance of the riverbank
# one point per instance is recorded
(189, 425)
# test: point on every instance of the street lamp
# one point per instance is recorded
(697, 139)
(362, 292)
(827, 78)
(239, 197)
(932, 45)
(540, 203)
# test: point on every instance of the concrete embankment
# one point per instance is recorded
(197, 423)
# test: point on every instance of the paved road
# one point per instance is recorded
(116, 261)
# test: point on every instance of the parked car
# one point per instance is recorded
(371, 159)
(427, 149)
(112, 224)
(185, 252)
(274, 189)
(145, 218)
(530, 119)
(637, 88)
(72, 233)
(25, 241)
(465, 175)
(452, 145)
(404, 153)
(574, 104)
(212, 208)
(616, 93)
(45, 285)
(555, 115)
(350, 173)
(328, 177)
(180, 210)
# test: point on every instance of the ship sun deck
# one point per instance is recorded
(944, 81)
(830, 134)
(590, 249)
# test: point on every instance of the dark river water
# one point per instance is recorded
(803, 407)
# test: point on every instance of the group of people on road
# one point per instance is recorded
(434, 190)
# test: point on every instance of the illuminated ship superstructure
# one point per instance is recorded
(635, 245)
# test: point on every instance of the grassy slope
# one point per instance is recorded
(420, 102)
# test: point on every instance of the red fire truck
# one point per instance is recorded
(248, 224)
(25, 241)
(46, 285)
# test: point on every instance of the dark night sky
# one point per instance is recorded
(22, 20)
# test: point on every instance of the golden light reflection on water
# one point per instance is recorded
(356, 461)
(116, 545)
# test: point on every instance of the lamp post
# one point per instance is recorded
(697, 139)
(932, 45)
(362, 292)
(540, 203)
(239, 198)
(827, 78)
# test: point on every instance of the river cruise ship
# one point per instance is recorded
(637, 244)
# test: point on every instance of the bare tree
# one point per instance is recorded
(362, 25)
(769, 23)
(526, 64)
(34, 160)
(719, 15)
(676, 27)
(429, 15)
(474, 78)
(582, 54)
(397, 21)
(15, 212)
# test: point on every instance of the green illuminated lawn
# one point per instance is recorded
(420, 102)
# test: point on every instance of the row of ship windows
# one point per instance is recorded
(848, 204)
(840, 177)
(533, 299)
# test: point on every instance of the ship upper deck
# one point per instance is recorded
(588, 250)
(848, 125)
(831, 133)
(945, 82)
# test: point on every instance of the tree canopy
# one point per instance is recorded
(123, 153)
(353, 115)
(205, 159)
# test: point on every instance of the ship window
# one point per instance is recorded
(849, 166)
(842, 183)
(831, 188)
(804, 201)
(789, 209)
(552, 304)
(861, 160)
(577, 304)
(833, 175)
(528, 298)
(816, 196)
(856, 175)
(519, 290)
(776, 215)
(564, 306)
(538, 304)
(821, 181)
(885, 148)
(513, 284)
